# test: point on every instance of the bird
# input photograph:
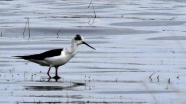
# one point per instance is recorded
(56, 57)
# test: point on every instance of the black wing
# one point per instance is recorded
(41, 56)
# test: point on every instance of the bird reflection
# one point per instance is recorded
(56, 78)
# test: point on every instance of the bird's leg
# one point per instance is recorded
(56, 71)
(56, 76)
(49, 72)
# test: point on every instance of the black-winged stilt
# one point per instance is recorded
(56, 57)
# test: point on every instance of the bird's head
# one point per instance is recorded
(78, 39)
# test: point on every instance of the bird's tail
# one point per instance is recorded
(19, 57)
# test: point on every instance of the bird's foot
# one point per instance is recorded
(49, 76)
(56, 77)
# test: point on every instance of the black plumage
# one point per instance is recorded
(78, 37)
(42, 56)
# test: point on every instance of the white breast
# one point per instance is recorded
(59, 60)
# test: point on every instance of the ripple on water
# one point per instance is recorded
(169, 38)
(150, 23)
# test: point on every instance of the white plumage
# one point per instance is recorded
(56, 57)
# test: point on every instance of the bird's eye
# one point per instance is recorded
(78, 37)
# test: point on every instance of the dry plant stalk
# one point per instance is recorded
(150, 77)
(27, 23)
(92, 8)
(58, 32)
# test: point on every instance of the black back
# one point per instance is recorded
(41, 56)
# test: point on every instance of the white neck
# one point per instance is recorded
(73, 47)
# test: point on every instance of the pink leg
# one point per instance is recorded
(49, 71)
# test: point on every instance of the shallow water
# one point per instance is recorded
(133, 40)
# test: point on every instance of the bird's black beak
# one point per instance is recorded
(88, 45)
